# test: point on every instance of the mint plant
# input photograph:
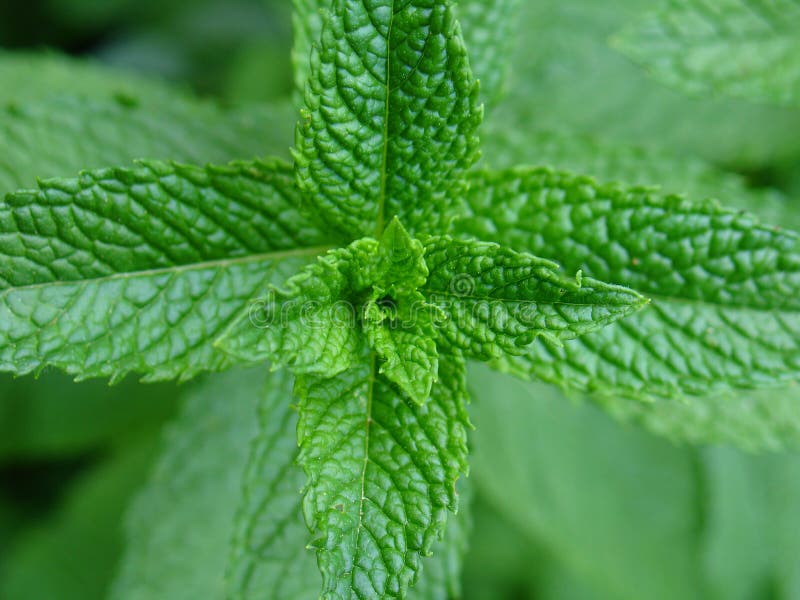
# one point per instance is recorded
(369, 272)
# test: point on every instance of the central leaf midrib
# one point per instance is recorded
(226, 262)
(387, 103)
(363, 478)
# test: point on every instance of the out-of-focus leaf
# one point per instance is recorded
(565, 76)
(72, 554)
(618, 507)
(179, 526)
(53, 416)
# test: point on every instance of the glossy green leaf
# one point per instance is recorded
(140, 269)
(390, 117)
(179, 526)
(381, 475)
(724, 287)
(744, 48)
(498, 301)
(270, 557)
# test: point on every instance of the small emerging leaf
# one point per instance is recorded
(499, 301)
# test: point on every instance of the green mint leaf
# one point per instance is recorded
(390, 118)
(744, 48)
(64, 135)
(489, 29)
(309, 323)
(499, 301)
(724, 312)
(270, 557)
(382, 472)
(181, 522)
(313, 322)
(140, 269)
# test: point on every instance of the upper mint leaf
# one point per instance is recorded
(744, 48)
(499, 301)
(140, 269)
(725, 288)
(390, 118)
(382, 473)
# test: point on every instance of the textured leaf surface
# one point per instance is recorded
(63, 135)
(309, 322)
(499, 301)
(141, 269)
(382, 473)
(745, 48)
(314, 322)
(391, 115)
(724, 287)
(489, 29)
(270, 557)
(179, 526)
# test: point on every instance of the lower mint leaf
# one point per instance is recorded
(381, 475)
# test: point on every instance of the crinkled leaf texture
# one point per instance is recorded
(744, 48)
(315, 321)
(139, 270)
(498, 301)
(270, 557)
(390, 118)
(724, 287)
(382, 472)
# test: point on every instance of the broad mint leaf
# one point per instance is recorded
(390, 117)
(270, 557)
(499, 301)
(744, 48)
(140, 269)
(313, 323)
(381, 475)
(724, 286)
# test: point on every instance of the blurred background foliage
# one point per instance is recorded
(570, 504)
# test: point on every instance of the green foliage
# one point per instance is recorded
(723, 313)
(396, 138)
(138, 235)
(745, 48)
